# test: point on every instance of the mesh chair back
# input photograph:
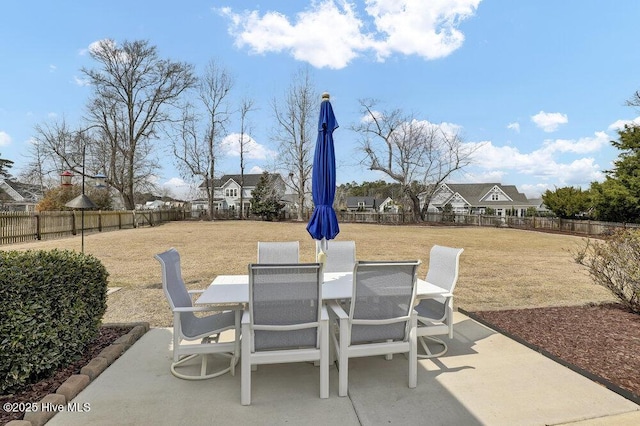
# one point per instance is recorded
(285, 304)
(278, 252)
(443, 272)
(173, 284)
(340, 256)
(443, 266)
(382, 291)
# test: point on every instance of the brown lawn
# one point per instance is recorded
(499, 269)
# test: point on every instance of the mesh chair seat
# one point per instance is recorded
(431, 309)
(195, 327)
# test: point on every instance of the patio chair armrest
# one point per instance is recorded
(246, 318)
(195, 291)
(337, 310)
(324, 313)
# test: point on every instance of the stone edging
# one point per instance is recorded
(77, 382)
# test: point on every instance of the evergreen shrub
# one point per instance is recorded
(51, 306)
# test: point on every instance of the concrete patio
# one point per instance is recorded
(485, 378)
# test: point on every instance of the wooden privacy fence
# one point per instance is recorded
(583, 227)
(17, 227)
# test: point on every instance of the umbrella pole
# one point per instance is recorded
(322, 256)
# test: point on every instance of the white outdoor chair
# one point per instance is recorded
(340, 256)
(187, 327)
(285, 321)
(381, 320)
(278, 252)
(435, 316)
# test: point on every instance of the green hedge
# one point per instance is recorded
(51, 306)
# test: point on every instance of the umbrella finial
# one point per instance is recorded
(325, 96)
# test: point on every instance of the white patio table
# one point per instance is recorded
(234, 289)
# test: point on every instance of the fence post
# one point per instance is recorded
(99, 220)
(73, 223)
(38, 230)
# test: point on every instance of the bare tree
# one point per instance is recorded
(296, 116)
(246, 107)
(133, 92)
(416, 154)
(49, 154)
(201, 129)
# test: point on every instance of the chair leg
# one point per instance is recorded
(343, 376)
(413, 359)
(203, 365)
(389, 357)
(245, 380)
(236, 349)
(343, 372)
(324, 361)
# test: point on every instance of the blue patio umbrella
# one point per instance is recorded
(323, 224)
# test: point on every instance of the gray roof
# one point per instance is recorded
(30, 193)
(249, 179)
(474, 192)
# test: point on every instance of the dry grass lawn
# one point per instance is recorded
(499, 269)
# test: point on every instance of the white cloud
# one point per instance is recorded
(252, 150)
(619, 124)
(256, 170)
(580, 146)
(330, 33)
(81, 81)
(179, 189)
(427, 29)
(515, 126)
(542, 164)
(549, 121)
(5, 139)
(535, 190)
(52, 68)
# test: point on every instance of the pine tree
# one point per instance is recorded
(266, 198)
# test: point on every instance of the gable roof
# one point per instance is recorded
(478, 193)
(250, 180)
(21, 192)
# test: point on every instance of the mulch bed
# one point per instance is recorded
(37, 391)
(601, 341)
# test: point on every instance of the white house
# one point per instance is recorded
(371, 204)
(476, 198)
(227, 190)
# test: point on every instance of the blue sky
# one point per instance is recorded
(539, 86)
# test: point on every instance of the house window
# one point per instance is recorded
(494, 197)
(360, 203)
(226, 192)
